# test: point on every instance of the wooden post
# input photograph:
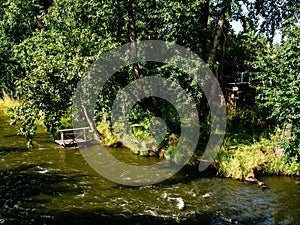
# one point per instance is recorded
(84, 134)
(62, 136)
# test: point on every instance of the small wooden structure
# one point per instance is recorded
(71, 137)
(241, 90)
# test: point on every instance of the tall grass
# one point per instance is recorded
(7, 102)
(252, 147)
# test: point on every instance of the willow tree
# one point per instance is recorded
(54, 58)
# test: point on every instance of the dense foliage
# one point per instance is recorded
(46, 46)
(279, 93)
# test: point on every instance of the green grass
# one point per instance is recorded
(251, 147)
(7, 103)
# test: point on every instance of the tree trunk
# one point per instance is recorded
(91, 123)
(203, 32)
(132, 36)
(148, 103)
(204, 107)
(217, 36)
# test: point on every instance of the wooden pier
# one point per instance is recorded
(72, 137)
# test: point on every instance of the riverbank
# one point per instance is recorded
(245, 162)
(251, 148)
(243, 156)
(254, 146)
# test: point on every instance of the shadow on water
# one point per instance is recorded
(108, 218)
(189, 173)
(104, 216)
(18, 188)
(5, 150)
(95, 218)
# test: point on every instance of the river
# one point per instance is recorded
(52, 185)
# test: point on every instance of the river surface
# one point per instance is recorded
(52, 185)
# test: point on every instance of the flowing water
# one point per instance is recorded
(52, 185)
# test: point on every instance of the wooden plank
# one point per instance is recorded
(71, 137)
(70, 142)
(74, 129)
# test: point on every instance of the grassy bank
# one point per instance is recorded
(244, 162)
(253, 146)
(7, 102)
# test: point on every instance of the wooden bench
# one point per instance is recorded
(71, 137)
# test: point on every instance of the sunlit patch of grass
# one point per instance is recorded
(243, 161)
(7, 102)
(110, 139)
(253, 147)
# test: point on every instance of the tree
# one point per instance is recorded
(272, 20)
(62, 38)
(18, 19)
(279, 93)
(54, 58)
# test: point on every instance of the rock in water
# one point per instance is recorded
(206, 195)
(180, 203)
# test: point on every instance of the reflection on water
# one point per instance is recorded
(52, 185)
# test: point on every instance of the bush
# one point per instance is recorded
(244, 161)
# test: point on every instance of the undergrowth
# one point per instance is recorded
(252, 147)
(7, 103)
